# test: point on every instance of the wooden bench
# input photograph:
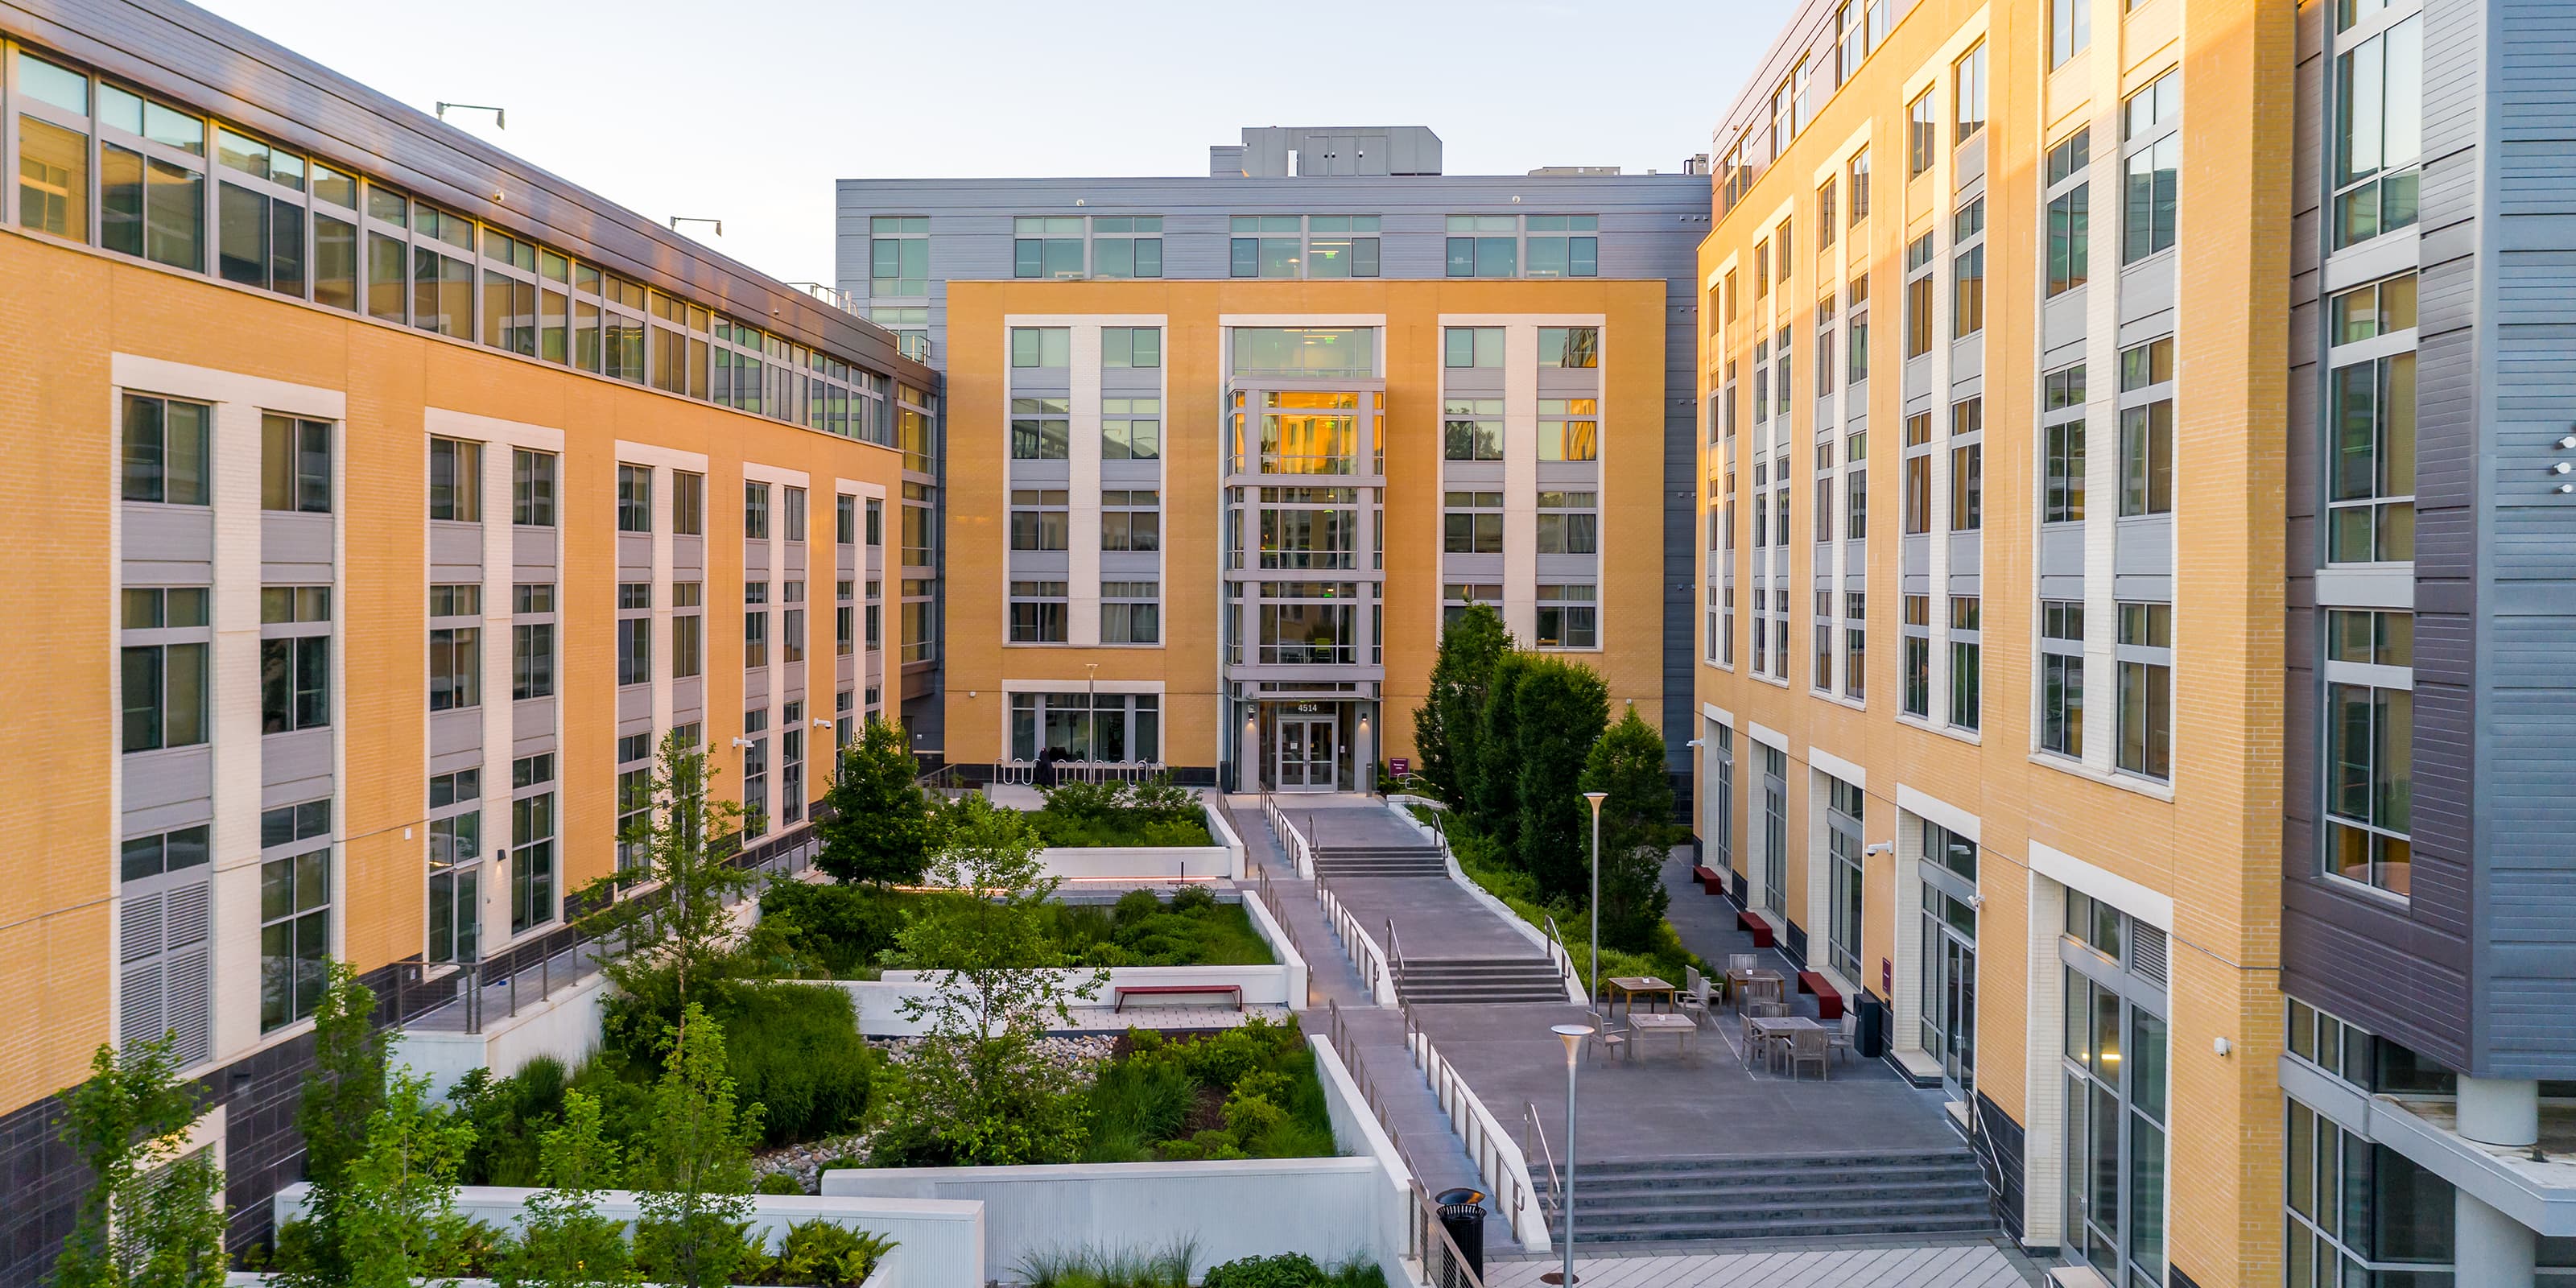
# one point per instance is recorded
(1711, 881)
(1829, 1002)
(1753, 923)
(1120, 993)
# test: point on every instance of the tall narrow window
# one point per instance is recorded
(2369, 735)
(1966, 658)
(2145, 657)
(635, 498)
(169, 449)
(2152, 143)
(2378, 132)
(295, 464)
(2070, 29)
(1968, 93)
(533, 479)
(1923, 133)
(455, 480)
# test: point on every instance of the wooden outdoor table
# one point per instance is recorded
(1767, 1027)
(1632, 985)
(1682, 1027)
(1766, 984)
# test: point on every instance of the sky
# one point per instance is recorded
(747, 110)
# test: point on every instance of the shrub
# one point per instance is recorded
(509, 1116)
(825, 1254)
(841, 927)
(1286, 1270)
(1112, 1268)
(1155, 813)
(796, 1049)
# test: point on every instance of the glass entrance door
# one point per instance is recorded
(1306, 754)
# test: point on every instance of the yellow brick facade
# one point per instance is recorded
(2205, 843)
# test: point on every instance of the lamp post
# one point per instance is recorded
(1572, 1036)
(1596, 798)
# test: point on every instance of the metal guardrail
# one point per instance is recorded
(1024, 773)
(1443, 1265)
(1365, 955)
(1564, 960)
(1554, 1200)
(1505, 1172)
(1299, 845)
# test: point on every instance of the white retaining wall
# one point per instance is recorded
(1141, 866)
(565, 1026)
(879, 1002)
(1273, 934)
(939, 1242)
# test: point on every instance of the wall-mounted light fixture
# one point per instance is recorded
(500, 118)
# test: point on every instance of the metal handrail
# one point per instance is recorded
(1564, 959)
(1394, 951)
(1468, 1117)
(1443, 1265)
(1554, 1199)
(1355, 942)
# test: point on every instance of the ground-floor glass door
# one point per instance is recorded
(1306, 752)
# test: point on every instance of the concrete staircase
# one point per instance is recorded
(1432, 981)
(1341, 862)
(1937, 1194)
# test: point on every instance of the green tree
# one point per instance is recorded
(655, 945)
(1493, 788)
(878, 827)
(694, 1175)
(563, 1240)
(977, 1089)
(1560, 708)
(1627, 763)
(398, 1199)
(343, 1092)
(1445, 726)
(150, 1217)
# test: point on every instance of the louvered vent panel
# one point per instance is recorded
(2147, 951)
(141, 924)
(189, 1004)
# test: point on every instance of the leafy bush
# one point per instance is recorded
(796, 1049)
(1155, 813)
(826, 1254)
(1249, 1092)
(1116, 1268)
(842, 928)
(1286, 1270)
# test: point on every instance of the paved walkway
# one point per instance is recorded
(1421, 1130)
(1433, 918)
(1971, 1266)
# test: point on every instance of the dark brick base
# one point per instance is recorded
(2007, 1139)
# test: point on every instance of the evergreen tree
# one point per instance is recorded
(656, 945)
(1627, 763)
(1493, 785)
(878, 827)
(150, 1219)
(342, 1093)
(1560, 708)
(1446, 725)
(694, 1173)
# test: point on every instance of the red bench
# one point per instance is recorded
(1829, 1003)
(1753, 923)
(1711, 881)
(1120, 993)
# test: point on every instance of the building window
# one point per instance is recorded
(2145, 658)
(455, 868)
(2370, 728)
(2153, 147)
(168, 451)
(1131, 347)
(1855, 645)
(2061, 677)
(755, 774)
(294, 911)
(634, 801)
(1775, 830)
(295, 464)
(1918, 473)
(1484, 246)
(1040, 520)
(1918, 297)
(845, 619)
(2352, 1202)
(1856, 333)
(1843, 806)
(1112, 727)
(1046, 246)
(455, 651)
(1569, 429)
(1562, 246)
(162, 675)
(755, 625)
(1472, 523)
(1968, 289)
(876, 522)
(2062, 447)
(688, 504)
(1569, 346)
(1341, 246)
(898, 256)
(1566, 617)
(1038, 612)
(1131, 520)
(455, 480)
(1472, 429)
(2378, 132)
(635, 648)
(1856, 487)
(1917, 641)
(294, 658)
(2146, 431)
(1966, 656)
(1455, 597)
(532, 843)
(1820, 675)
(755, 511)
(635, 498)
(1126, 246)
(1859, 184)
(1923, 133)
(2371, 425)
(1265, 245)
(1471, 346)
(1130, 612)
(1968, 93)
(688, 629)
(1130, 429)
(1041, 429)
(2115, 1070)
(2069, 213)
(1041, 346)
(1568, 523)
(1967, 466)
(791, 762)
(2070, 29)
(792, 503)
(532, 503)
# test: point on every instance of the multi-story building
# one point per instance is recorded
(381, 502)
(1218, 525)
(1288, 204)
(2171, 529)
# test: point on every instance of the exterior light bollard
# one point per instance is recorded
(1572, 1035)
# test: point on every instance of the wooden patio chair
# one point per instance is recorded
(1843, 1041)
(1805, 1047)
(1695, 995)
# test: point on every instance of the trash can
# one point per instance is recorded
(1461, 1216)
(1869, 1039)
